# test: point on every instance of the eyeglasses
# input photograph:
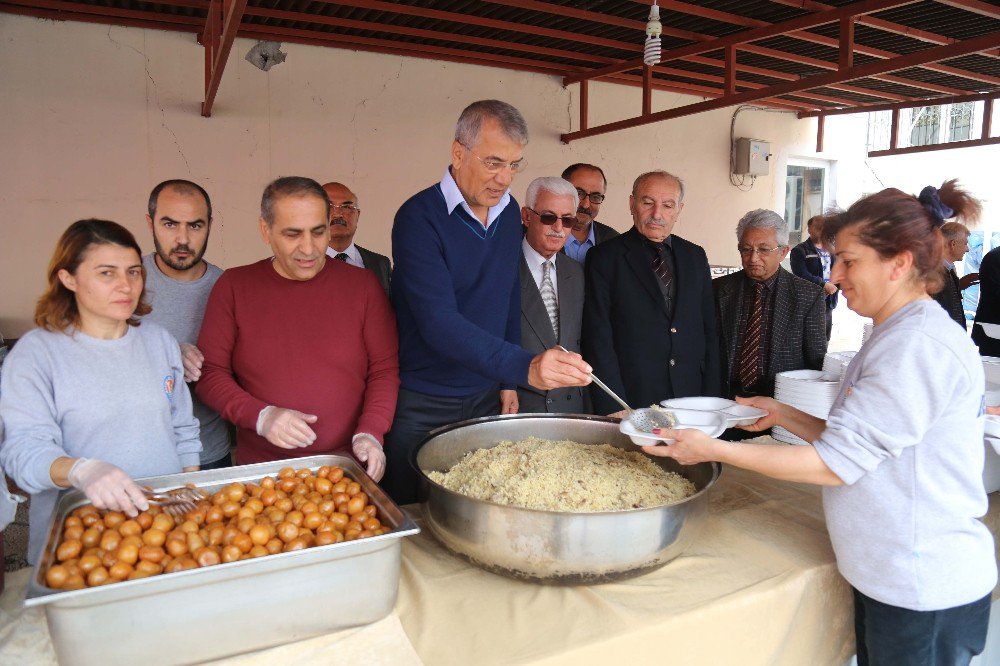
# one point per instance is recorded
(764, 252)
(548, 219)
(496, 166)
(595, 197)
(348, 208)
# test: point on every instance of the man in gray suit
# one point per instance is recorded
(769, 320)
(551, 288)
(344, 216)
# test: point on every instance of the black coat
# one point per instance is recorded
(630, 339)
(989, 303)
(950, 297)
(805, 263)
(798, 326)
(380, 265)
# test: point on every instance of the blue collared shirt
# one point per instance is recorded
(453, 198)
(578, 251)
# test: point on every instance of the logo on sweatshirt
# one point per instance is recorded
(168, 386)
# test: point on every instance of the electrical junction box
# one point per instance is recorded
(751, 157)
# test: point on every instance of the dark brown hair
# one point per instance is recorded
(56, 309)
(891, 222)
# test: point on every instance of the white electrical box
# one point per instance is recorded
(752, 157)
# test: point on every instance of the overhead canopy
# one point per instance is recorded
(860, 53)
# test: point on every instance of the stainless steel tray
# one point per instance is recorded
(226, 609)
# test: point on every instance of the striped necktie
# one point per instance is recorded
(750, 353)
(548, 293)
(342, 256)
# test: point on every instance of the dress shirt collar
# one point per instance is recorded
(591, 237)
(535, 261)
(949, 265)
(453, 198)
(353, 256)
(768, 283)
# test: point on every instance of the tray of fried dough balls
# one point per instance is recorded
(255, 565)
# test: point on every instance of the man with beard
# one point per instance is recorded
(649, 315)
(178, 282)
(344, 216)
(590, 185)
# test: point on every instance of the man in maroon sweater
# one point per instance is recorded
(301, 353)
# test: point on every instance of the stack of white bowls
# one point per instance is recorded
(991, 467)
(835, 363)
(811, 391)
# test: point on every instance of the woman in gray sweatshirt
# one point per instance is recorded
(90, 399)
(900, 456)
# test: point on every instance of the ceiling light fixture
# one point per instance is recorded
(651, 51)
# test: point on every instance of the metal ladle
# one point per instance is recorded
(645, 419)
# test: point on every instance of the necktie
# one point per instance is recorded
(748, 369)
(548, 293)
(661, 268)
(342, 256)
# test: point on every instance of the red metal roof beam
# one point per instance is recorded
(232, 15)
(981, 43)
(912, 104)
(792, 25)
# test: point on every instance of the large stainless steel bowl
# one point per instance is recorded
(552, 546)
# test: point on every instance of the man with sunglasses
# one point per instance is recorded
(344, 216)
(551, 288)
(456, 247)
(770, 321)
(590, 185)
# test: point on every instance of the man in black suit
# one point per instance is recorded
(551, 289)
(956, 244)
(649, 315)
(812, 261)
(769, 320)
(590, 185)
(344, 216)
(989, 303)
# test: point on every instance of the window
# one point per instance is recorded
(926, 125)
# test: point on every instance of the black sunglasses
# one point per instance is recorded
(548, 219)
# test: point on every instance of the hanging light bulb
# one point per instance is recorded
(651, 51)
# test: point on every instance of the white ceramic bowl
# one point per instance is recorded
(992, 330)
(705, 404)
(711, 423)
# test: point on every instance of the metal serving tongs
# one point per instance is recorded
(644, 419)
(177, 502)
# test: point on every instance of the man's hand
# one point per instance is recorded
(367, 450)
(193, 360)
(557, 368)
(830, 288)
(968, 280)
(286, 428)
(508, 401)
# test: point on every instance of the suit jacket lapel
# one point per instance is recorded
(730, 304)
(563, 286)
(779, 319)
(533, 308)
(639, 260)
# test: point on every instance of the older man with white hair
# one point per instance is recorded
(769, 320)
(551, 289)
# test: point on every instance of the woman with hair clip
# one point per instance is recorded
(91, 398)
(900, 455)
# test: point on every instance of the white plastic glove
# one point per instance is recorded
(367, 449)
(193, 359)
(286, 428)
(107, 486)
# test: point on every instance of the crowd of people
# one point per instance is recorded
(145, 365)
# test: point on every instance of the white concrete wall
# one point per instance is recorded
(94, 116)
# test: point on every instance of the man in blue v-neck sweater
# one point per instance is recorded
(456, 248)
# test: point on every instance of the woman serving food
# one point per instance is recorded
(900, 455)
(90, 398)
